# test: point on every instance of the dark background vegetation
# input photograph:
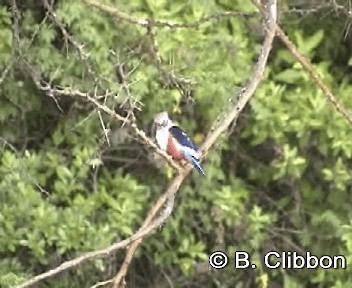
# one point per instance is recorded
(278, 180)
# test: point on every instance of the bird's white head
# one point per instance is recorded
(162, 120)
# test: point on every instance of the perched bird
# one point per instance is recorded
(175, 141)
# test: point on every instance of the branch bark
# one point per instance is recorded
(147, 22)
(148, 230)
(167, 199)
(309, 68)
(165, 202)
(244, 97)
(68, 92)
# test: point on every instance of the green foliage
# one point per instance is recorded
(280, 181)
(5, 35)
(11, 272)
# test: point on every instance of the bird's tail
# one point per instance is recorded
(192, 156)
(197, 165)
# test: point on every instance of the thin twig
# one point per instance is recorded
(210, 140)
(346, 11)
(309, 68)
(168, 196)
(147, 22)
(105, 130)
(67, 91)
(150, 215)
(15, 27)
(173, 187)
(306, 11)
(15, 41)
(102, 283)
(252, 83)
(6, 71)
(84, 56)
(139, 133)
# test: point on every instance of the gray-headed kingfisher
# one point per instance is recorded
(175, 141)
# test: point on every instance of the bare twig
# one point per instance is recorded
(84, 56)
(338, 7)
(105, 130)
(156, 215)
(139, 133)
(147, 22)
(168, 78)
(170, 193)
(167, 198)
(247, 92)
(102, 283)
(69, 92)
(305, 11)
(309, 68)
(151, 214)
(79, 47)
(15, 26)
(6, 71)
(253, 82)
(15, 41)
(154, 47)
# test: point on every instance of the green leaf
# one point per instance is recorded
(290, 76)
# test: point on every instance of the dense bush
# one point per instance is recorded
(280, 180)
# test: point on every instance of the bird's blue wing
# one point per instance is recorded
(185, 141)
(182, 137)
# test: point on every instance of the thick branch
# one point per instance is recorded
(168, 196)
(152, 221)
(247, 92)
(252, 83)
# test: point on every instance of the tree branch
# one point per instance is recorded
(168, 197)
(83, 55)
(138, 132)
(147, 22)
(246, 93)
(309, 68)
(157, 215)
(106, 251)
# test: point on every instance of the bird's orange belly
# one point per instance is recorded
(173, 150)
